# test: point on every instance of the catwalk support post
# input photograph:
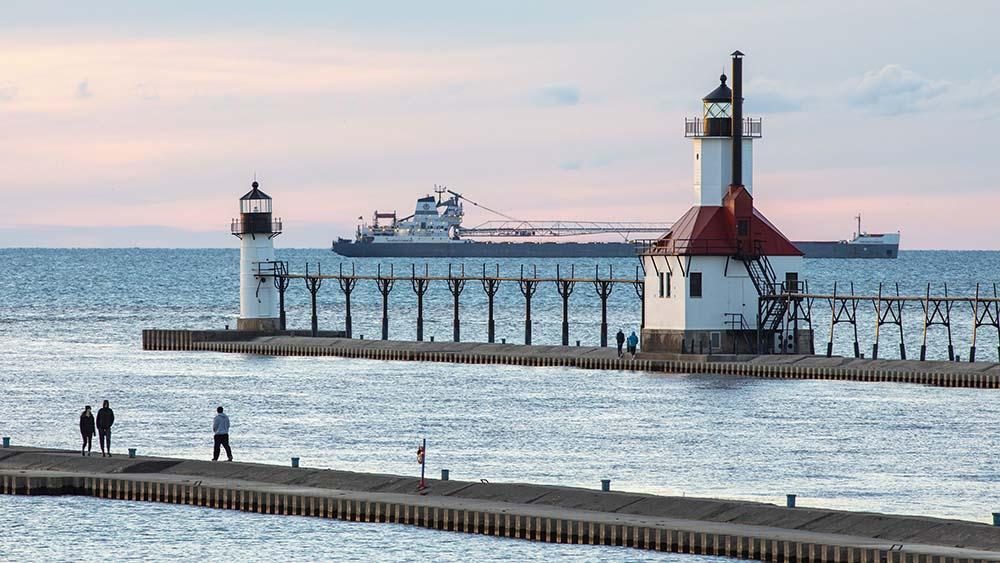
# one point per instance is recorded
(565, 288)
(385, 284)
(455, 286)
(347, 284)
(985, 312)
(490, 286)
(420, 286)
(937, 311)
(528, 287)
(313, 283)
(603, 289)
(281, 282)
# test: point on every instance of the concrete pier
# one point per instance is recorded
(981, 375)
(533, 512)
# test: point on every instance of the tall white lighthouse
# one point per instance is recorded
(705, 278)
(256, 230)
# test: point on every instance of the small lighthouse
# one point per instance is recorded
(704, 279)
(256, 230)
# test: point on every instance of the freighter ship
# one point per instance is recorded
(435, 230)
(862, 245)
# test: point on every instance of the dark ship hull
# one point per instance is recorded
(484, 249)
(843, 249)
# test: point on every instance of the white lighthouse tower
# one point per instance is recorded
(704, 279)
(256, 230)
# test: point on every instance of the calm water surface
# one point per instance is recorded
(69, 335)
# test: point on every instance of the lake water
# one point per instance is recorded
(70, 324)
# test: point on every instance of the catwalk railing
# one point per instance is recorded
(456, 280)
(938, 314)
(944, 323)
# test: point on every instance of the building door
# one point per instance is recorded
(737, 300)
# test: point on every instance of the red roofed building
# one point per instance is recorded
(705, 277)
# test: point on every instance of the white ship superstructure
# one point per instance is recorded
(435, 220)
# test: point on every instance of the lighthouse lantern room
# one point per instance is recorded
(256, 230)
(704, 279)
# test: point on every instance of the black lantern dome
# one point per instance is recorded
(255, 201)
(718, 110)
(255, 214)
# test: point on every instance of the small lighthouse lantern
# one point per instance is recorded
(255, 201)
(718, 110)
(256, 230)
(255, 215)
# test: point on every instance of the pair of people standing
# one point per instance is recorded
(102, 425)
(632, 340)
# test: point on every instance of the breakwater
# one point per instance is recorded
(982, 375)
(516, 510)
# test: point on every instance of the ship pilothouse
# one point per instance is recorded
(434, 220)
(256, 229)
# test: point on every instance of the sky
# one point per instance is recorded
(142, 123)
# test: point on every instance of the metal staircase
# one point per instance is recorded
(771, 309)
(741, 331)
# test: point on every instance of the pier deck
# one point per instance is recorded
(516, 510)
(983, 375)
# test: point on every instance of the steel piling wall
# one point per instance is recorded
(181, 340)
(247, 498)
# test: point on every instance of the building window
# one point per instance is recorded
(743, 227)
(715, 110)
(695, 284)
(664, 284)
(792, 282)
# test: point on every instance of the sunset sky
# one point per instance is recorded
(140, 123)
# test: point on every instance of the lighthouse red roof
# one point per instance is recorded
(711, 230)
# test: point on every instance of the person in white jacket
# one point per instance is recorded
(220, 427)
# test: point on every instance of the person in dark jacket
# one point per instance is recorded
(105, 418)
(620, 338)
(87, 430)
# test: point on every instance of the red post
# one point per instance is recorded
(421, 459)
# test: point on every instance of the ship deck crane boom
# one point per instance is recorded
(561, 228)
(513, 228)
(494, 211)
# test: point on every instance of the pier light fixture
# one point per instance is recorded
(255, 201)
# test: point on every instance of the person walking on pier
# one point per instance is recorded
(105, 418)
(220, 426)
(633, 343)
(620, 338)
(87, 430)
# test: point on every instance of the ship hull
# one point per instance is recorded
(835, 249)
(484, 250)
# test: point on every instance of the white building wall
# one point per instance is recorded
(254, 304)
(664, 312)
(723, 291)
(713, 168)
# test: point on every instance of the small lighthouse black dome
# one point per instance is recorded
(718, 110)
(720, 94)
(255, 214)
(255, 193)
